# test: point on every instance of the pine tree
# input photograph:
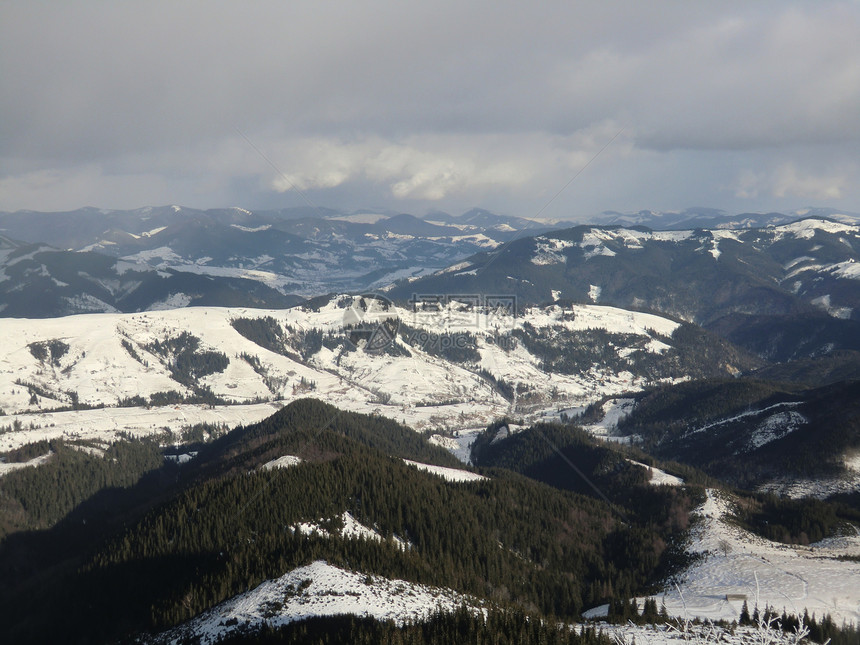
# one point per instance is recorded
(745, 614)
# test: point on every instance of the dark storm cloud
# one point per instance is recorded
(445, 104)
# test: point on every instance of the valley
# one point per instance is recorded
(555, 425)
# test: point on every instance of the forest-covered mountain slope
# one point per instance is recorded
(225, 524)
(755, 433)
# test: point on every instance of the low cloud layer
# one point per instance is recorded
(437, 105)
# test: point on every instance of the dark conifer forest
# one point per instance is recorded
(180, 539)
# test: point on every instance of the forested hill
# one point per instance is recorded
(313, 431)
(751, 433)
(227, 524)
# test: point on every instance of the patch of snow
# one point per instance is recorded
(774, 427)
(352, 530)
(819, 487)
(5, 468)
(805, 268)
(852, 462)
(597, 251)
(715, 249)
(613, 411)
(460, 445)
(594, 292)
(355, 530)
(659, 477)
(318, 589)
(163, 253)
(655, 346)
(87, 302)
(180, 459)
(361, 218)
(449, 474)
(251, 229)
(742, 415)
(849, 270)
(823, 302)
(282, 462)
(506, 431)
(454, 268)
(549, 251)
(90, 450)
(173, 301)
(793, 263)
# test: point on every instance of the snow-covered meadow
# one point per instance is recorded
(108, 359)
(733, 565)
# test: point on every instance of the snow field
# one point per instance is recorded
(738, 563)
(659, 477)
(319, 589)
(448, 474)
(282, 462)
(423, 391)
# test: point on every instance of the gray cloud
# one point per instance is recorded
(442, 105)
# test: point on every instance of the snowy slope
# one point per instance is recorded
(659, 477)
(448, 474)
(318, 589)
(734, 561)
(6, 468)
(110, 357)
(282, 462)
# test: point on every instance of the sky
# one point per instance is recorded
(555, 109)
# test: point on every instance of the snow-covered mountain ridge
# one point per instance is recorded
(802, 268)
(456, 367)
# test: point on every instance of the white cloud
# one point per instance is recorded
(787, 180)
(426, 167)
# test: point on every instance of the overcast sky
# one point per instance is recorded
(438, 105)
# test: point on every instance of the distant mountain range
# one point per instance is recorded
(38, 281)
(92, 260)
(784, 291)
(709, 218)
(103, 260)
